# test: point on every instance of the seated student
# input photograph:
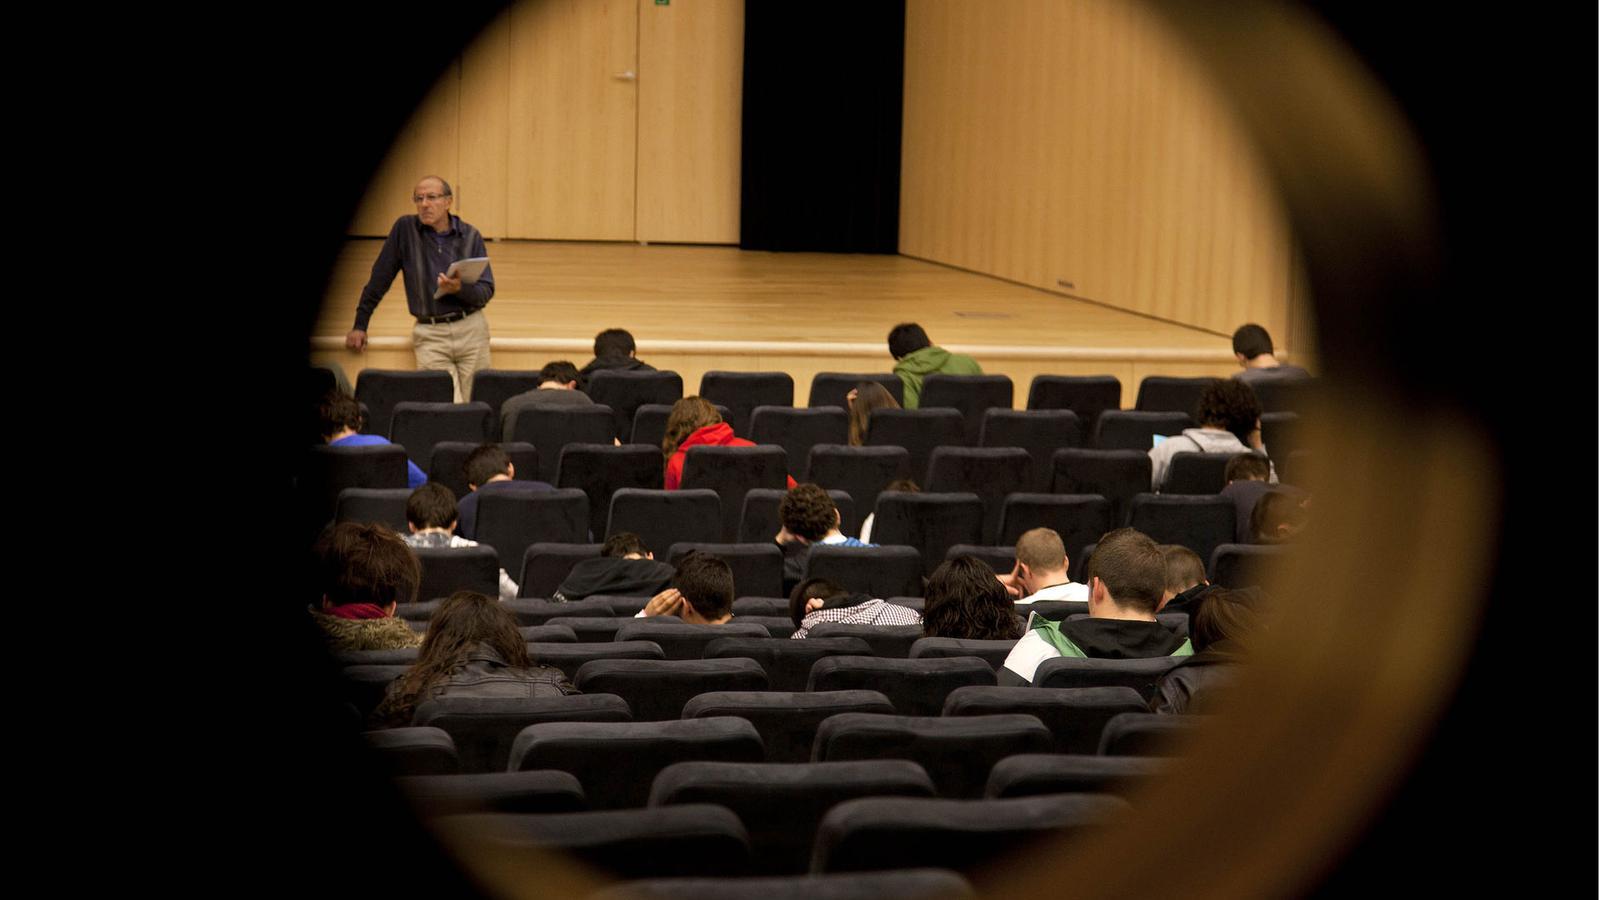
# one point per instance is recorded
(1278, 517)
(1245, 480)
(364, 571)
(558, 389)
(341, 424)
(613, 349)
(818, 600)
(701, 592)
(807, 516)
(965, 600)
(915, 358)
(899, 484)
(1230, 422)
(1127, 583)
(1221, 627)
(473, 649)
(1041, 570)
(864, 398)
(1252, 348)
(431, 517)
(694, 422)
(1186, 578)
(624, 567)
(489, 468)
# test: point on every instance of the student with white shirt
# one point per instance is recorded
(1041, 570)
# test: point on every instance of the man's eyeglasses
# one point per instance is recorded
(419, 198)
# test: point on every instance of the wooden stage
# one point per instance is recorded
(694, 309)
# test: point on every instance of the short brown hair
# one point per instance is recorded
(622, 543)
(706, 582)
(1131, 566)
(361, 563)
(808, 512)
(1247, 467)
(1041, 548)
(485, 462)
(338, 411)
(1183, 566)
(1223, 615)
(431, 506)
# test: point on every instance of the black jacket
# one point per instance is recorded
(482, 674)
(614, 575)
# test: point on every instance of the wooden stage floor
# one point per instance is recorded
(699, 308)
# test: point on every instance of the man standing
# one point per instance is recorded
(452, 333)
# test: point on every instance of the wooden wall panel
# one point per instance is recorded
(691, 69)
(486, 130)
(1071, 145)
(573, 120)
(426, 145)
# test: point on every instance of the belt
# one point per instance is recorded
(440, 320)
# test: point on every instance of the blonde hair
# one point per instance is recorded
(870, 395)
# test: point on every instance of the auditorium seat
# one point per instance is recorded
(1041, 432)
(1074, 716)
(905, 832)
(787, 662)
(757, 568)
(662, 518)
(1243, 565)
(886, 571)
(1078, 519)
(600, 470)
(781, 804)
(1002, 559)
(777, 626)
(682, 640)
(650, 423)
(1281, 436)
(992, 652)
(671, 841)
(381, 389)
(885, 641)
(787, 721)
(626, 391)
(414, 751)
(1197, 473)
(570, 658)
(758, 523)
(496, 386)
(1139, 674)
(483, 728)
(547, 634)
(1290, 395)
(446, 570)
(940, 883)
(1201, 523)
(1167, 393)
(1147, 734)
(657, 690)
(546, 564)
(419, 426)
(990, 472)
(797, 430)
(932, 523)
(551, 430)
(970, 395)
(1126, 429)
(375, 506)
(916, 687)
(449, 466)
(1116, 475)
(1086, 395)
(326, 470)
(1034, 774)
(956, 752)
(617, 761)
(732, 472)
(538, 611)
(494, 792)
(512, 521)
(597, 629)
(919, 431)
(833, 388)
(862, 472)
(742, 392)
(761, 606)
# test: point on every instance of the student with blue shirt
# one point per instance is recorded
(341, 424)
(807, 517)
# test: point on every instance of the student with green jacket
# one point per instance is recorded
(915, 357)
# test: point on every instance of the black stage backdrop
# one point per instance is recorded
(823, 83)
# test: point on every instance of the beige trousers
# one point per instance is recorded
(460, 348)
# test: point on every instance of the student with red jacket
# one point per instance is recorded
(694, 422)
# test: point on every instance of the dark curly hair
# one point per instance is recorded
(1229, 403)
(808, 512)
(965, 600)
